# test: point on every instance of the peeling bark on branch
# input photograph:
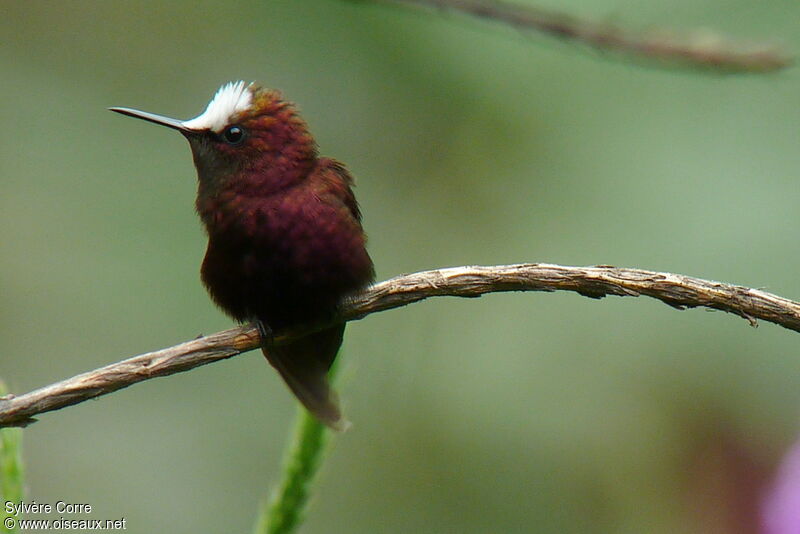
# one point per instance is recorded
(596, 282)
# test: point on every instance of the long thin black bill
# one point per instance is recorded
(152, 117)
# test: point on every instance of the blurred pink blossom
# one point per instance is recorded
(781, 508)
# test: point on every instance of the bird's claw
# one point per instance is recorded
(265, 333)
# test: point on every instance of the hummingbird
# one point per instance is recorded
(285, 240)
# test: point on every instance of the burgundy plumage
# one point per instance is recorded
(285, 242)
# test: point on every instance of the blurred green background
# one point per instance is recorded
(471, 144)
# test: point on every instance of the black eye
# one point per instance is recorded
(233, 135)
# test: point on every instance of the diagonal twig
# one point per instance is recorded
(700, 49)
(674, 289)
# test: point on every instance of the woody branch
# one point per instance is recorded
(700, 49)
(678, 291)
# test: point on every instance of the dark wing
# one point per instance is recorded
(339, 182)
(304, 363)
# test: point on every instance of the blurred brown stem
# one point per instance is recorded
(596, 282)
(701, 49)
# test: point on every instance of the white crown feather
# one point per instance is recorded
(230, 99)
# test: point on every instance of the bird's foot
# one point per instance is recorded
(265, 333)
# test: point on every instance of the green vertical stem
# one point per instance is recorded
(286, 508)
(11, 471)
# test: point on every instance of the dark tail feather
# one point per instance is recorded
(304, 366)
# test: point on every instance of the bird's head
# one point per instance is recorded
(249, 139)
